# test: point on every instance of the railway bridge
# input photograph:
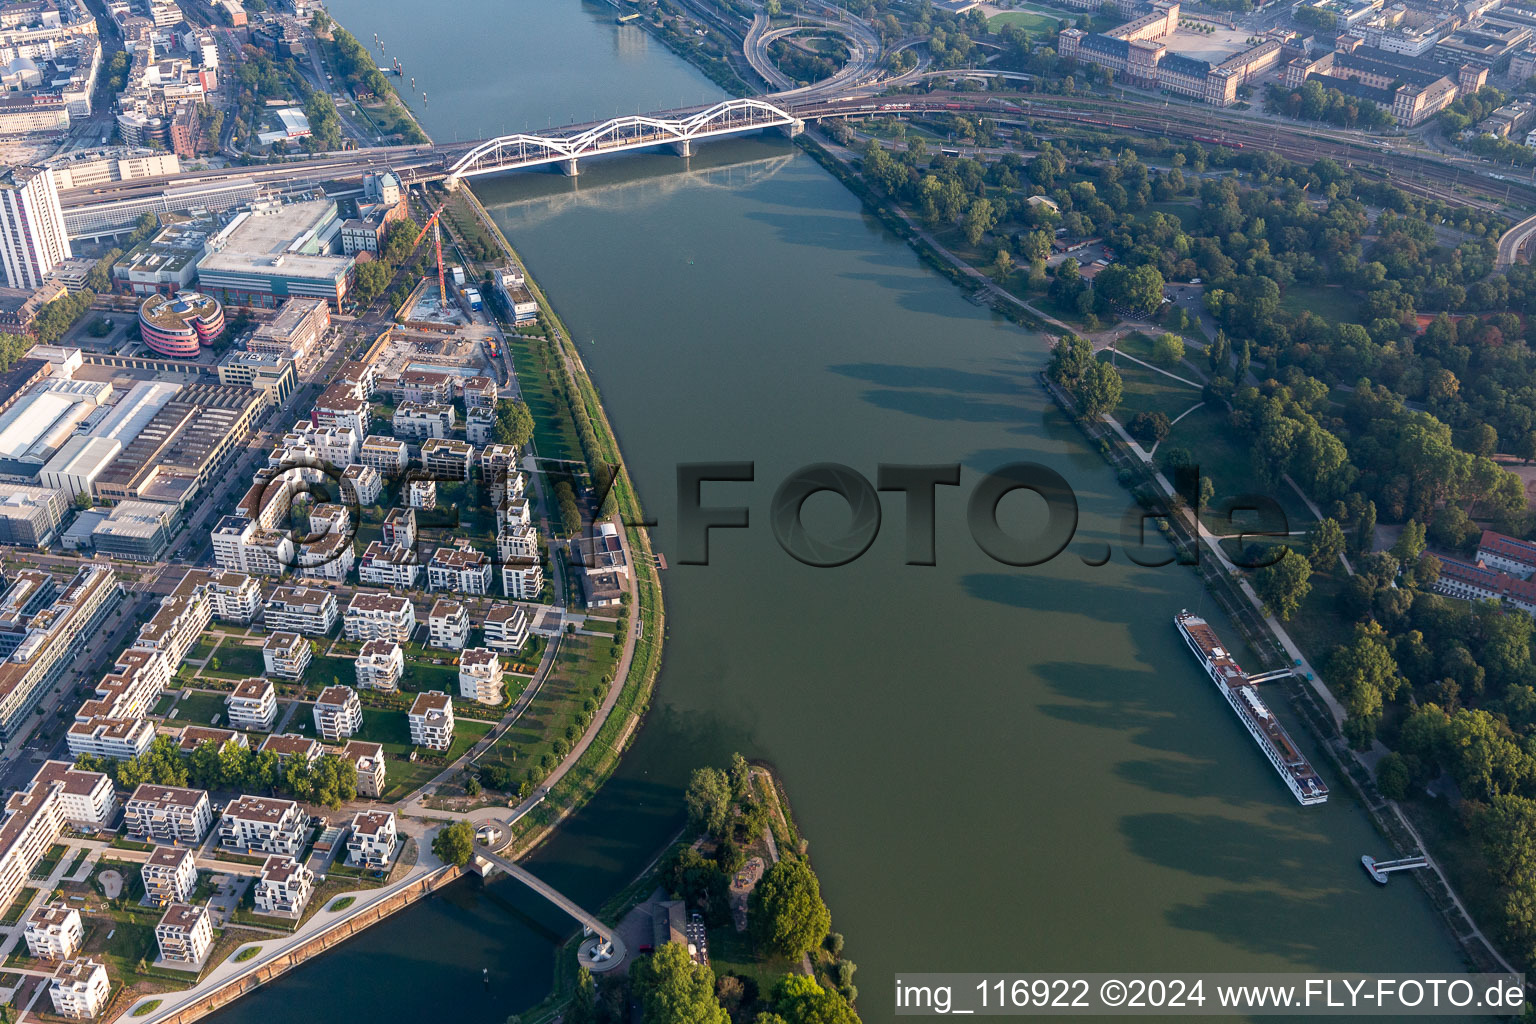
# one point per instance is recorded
(564, 147)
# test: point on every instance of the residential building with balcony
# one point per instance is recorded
(118, 739)
(361, 484)
(291, 744)
(168, 814)
(447, 458)
(380, 665)
(461, 570)
(431, 720)
(368, 758)
(384, 566)
(338, 713)
(252, 704)
(448, 625)
(480, 675)
(423, 422)
(307, 610)
(389, 455)
(373, 841)
(170, 875)
(379, 617)
(257, 824)
(185, 934)
(286, 655)
(284, 887)
(53, 932)
(522, 581)
(506, 628)
(79, 989)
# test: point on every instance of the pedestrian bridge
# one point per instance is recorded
(563, 147)
(605, 953)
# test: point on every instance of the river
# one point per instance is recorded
(997, 768)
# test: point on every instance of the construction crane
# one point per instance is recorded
(437, 241)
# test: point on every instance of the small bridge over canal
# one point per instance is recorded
(603, 951)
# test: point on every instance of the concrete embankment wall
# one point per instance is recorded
(328, 939)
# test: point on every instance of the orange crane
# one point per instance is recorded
(437, 241)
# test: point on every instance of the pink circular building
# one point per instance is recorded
(178, 325)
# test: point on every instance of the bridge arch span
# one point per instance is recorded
(618, 134)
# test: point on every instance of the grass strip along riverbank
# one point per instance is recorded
(600, 451)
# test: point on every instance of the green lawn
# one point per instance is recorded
(1317, 627)
(422, 675)
(1148, 391)
(326, 669)
(1333, 303)
(200, 709)
(19, 905)
(237, 661)
(1031, 23)
(554, 432)
(552, 722)
(1187, 212)
(731, 952)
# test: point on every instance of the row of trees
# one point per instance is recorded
(329, 780)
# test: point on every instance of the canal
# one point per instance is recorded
(997, 768)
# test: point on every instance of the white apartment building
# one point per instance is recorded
(234, 596)
(307, 610)
(421, 494)
(118, 739)
(168, 814)
(379, 617)
(448, 625)
(431, 720)
(463, 571)
(284, 887)
(286, 655)
(80, 988)
(480, 675)
(170, 875)
(33, 240)
(447, 458)
(390, 456)
(361, 484)
(421, 421)
(519, 542)
(327, 557)
(506, 628)
(54, 932)
(369, 761)
(185, 934)
(35, 817)
(241, 544)
(373, 841)
(522, 581)
(86, 800)
(338, 713)
(256, 824)
(253, 704)
(399, 529)
(379, 665)
(384, 566)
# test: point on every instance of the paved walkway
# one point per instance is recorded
(276, 947)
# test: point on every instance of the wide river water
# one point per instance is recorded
(998, 769)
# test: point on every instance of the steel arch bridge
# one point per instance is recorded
(636, 131)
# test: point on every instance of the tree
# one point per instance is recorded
(799, 1000)
(1506, 829)
(675, 990)
(1325, 543)
(1410, 544)
(1149, 427)
(1284, 584)
(708, 799)
(1139, 289)
(514, 423)
(787, 911)
(1392, 776)
(1094, 385)
(454, 844)
(741, 777)
(1365, 671)
(1168, 349)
